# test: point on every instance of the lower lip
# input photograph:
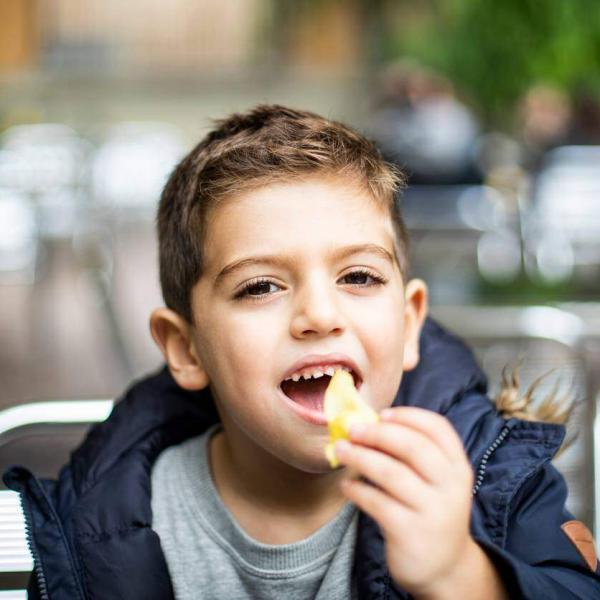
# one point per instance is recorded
(314, 417)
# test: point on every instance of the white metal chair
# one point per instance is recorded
(39, 436)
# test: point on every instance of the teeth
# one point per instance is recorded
(318, 372)
(312, 374)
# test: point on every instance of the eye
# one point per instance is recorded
(363, 278)
(257, 289)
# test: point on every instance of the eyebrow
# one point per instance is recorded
(281, 260)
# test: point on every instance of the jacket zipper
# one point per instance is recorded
(37, 565)
(479, 480)
(486, 456)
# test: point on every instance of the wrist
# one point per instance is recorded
(472, 577)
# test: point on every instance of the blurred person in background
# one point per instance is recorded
(585, 125)
(545, 117)
(423, 127)
(549, 117)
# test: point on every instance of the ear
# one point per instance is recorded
(415, 311)
(172, 335)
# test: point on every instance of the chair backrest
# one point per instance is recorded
(39, 436)
(549, 341)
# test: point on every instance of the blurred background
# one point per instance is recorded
(492, 108)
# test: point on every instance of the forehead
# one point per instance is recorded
(300, 217)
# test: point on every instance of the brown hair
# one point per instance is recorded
(267, 144)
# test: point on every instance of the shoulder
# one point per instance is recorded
(513, 461)
(176, 466)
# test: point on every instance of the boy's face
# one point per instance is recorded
(252, 324)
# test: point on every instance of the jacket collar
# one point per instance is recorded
(153, 407)
(446, 371)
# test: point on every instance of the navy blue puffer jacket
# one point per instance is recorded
(91, 533)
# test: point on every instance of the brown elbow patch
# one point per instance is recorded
(583, 540)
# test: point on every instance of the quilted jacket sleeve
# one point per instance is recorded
(538, 560)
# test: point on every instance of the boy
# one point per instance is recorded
(283, 258)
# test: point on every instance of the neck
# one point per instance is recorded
(297, 503)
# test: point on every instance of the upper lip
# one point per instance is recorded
(324, 360)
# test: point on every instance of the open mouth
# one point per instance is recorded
(310, 393)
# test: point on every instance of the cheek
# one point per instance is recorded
(385, 349)
(242, 345)
(382, 325)
(381, 332)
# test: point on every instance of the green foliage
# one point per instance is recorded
(495, 49)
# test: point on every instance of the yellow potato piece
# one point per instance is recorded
(343, 407)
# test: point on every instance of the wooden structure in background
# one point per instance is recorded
(18, 33)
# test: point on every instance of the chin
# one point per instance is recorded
(316, 464)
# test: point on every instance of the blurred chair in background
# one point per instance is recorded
(43, 168)
(422, 126)
(128, 172)
(39, 436)
(561, 223)
(18, 239)
(47, 163)
(548, 341)
(451, 229)
(131, 165)
(79, 224)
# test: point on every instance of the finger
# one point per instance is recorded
(388, 514)
(404, 444)
(435, 426)
(390, 475)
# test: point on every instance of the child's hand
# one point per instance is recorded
(421, 498)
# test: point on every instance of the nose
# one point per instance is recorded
(316, 312)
